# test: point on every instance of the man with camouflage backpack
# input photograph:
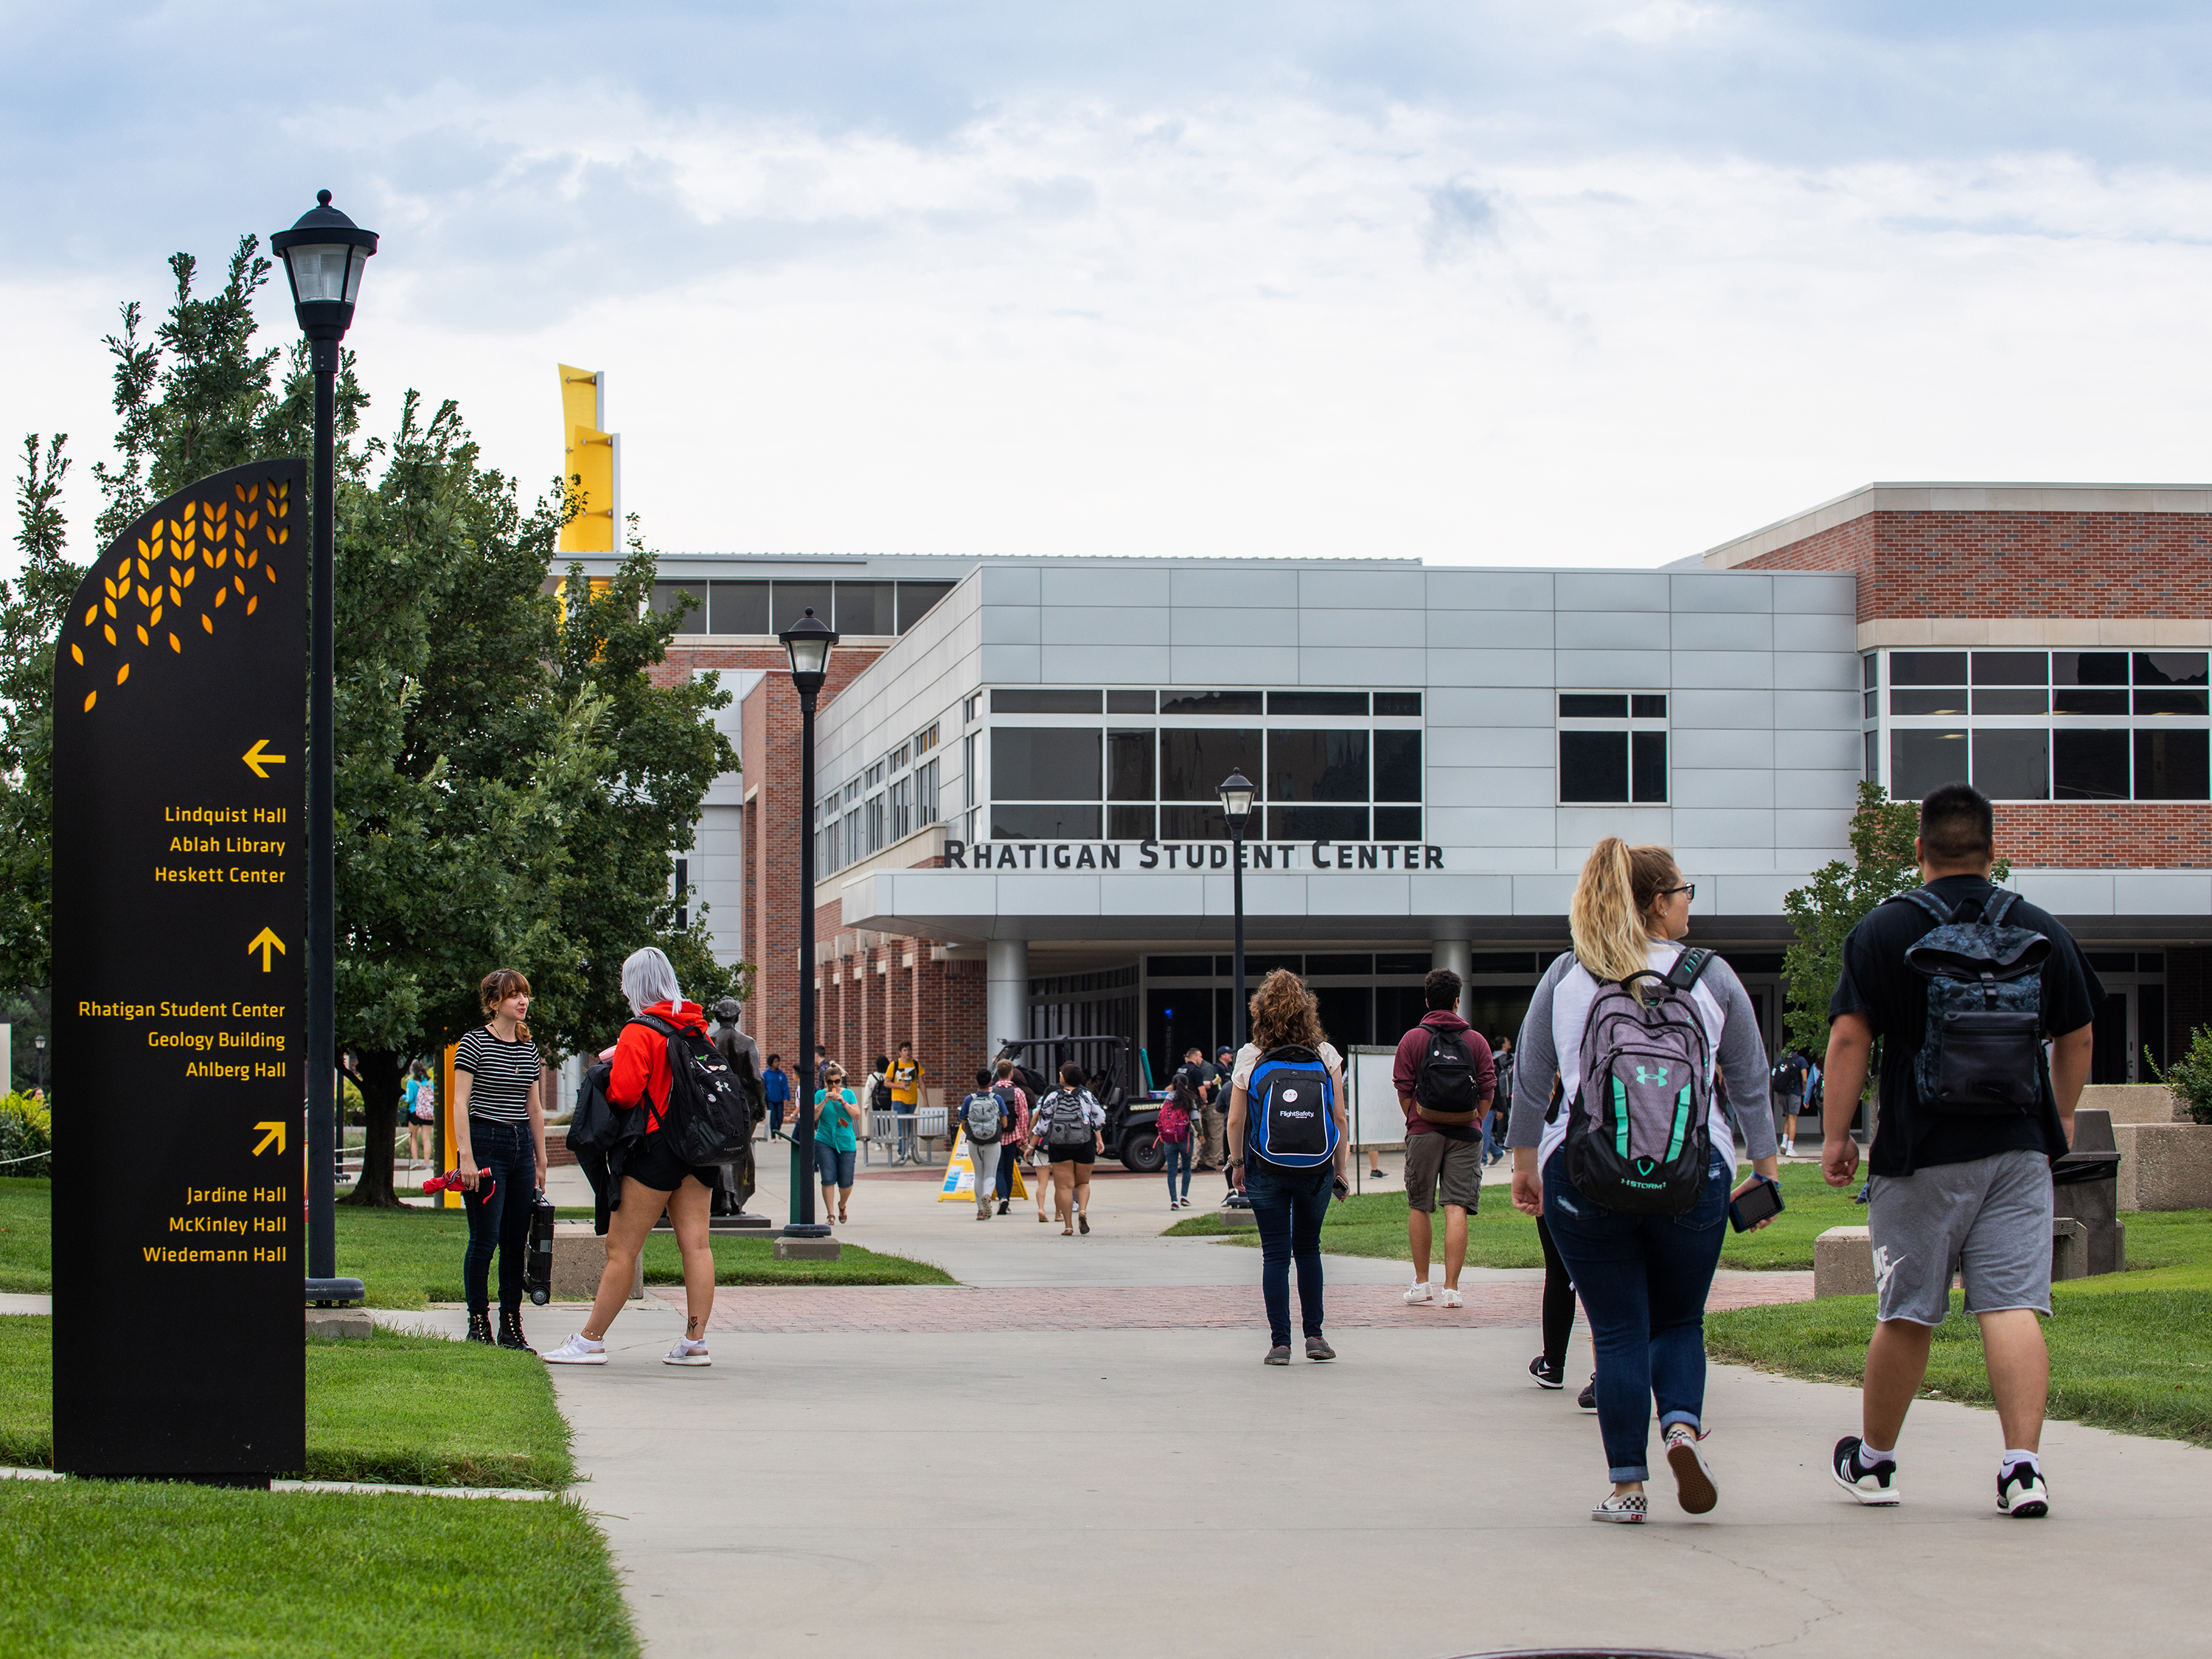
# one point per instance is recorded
(1964, 981)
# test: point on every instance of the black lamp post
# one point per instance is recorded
(39, 1043)
(1236, 793)
(807, 642)
(324, 254)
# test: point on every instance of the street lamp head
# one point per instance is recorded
(807, 642)
(1236, 793)
(324, 255)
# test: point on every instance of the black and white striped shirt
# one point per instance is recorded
(504, 1073)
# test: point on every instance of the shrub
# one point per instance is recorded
(27, 1133)
(2191, 1076)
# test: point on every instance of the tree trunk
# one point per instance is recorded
(379, 1075)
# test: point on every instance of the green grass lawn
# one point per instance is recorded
(122, 1568)
(1499, 1235)
(408, 1410)
(410, 1258)
(2131, 1351)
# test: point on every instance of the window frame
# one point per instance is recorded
(1631, 725)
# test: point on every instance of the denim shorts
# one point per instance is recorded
(835, 1167)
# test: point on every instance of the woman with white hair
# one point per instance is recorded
(653, 1179)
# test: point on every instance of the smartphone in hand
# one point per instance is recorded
(1758, 1202)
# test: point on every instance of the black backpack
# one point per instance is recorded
(1981, 1053)
(707, 1119)
(1444, 1088)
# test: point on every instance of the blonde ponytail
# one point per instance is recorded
(1606, 921)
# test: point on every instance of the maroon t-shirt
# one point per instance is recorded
(1414, 1045)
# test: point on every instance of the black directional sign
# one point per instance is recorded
(179, 901)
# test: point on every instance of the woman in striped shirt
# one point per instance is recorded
(499, 1121)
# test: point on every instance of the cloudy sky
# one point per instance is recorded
(1583, 282)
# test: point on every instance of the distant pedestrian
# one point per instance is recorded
(1445, 1080)
(654, 1180)
(741, 1178)
(987, 1126)
(837, 1141)
(776, 1089)
(1288, 1153)
(421, 1103)
(1971, 1117)
(1068, 1121)
(1639, 1220)
(1788, 1082)
(499, 1128)
(821, 1064)
(1501, 1104)
(1016, 1141)
(1177, 1124)
(1215, 1119)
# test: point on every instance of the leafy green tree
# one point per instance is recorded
(1837, 899)
(31, 609)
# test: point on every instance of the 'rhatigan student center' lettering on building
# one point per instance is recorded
(1017, 830)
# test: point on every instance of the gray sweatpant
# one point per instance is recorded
(986, 1159)
(1988, 1220)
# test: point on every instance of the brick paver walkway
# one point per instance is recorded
(802, 1308)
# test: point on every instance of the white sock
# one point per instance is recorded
(1869, 1458)
(2014, 1459)
(587, 1341)
(689, 1347)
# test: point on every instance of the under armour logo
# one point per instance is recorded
(1657, 1074)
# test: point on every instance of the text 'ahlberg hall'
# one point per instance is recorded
(1018, 832)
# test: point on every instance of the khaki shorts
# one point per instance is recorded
(1433, 1161)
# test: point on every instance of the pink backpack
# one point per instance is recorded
(1174, 1123)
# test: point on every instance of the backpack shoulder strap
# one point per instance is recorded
(1999, 906)
(1921, 898)
(654, 1022)
(1689, 967)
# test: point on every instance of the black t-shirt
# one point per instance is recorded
(1876, 982)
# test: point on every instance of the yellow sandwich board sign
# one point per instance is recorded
(960, 1170)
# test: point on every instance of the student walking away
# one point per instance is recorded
(1214, 1121)
(1786, 1083)
(499, 1126)
(664, 1060)
(1014, 1139)
(1501, 1104)
(837, 1141)
(1206, 1082)
(1445, 1080)
(1290, 1151)
(1964, 982)
(741, 1178)
(988, 1126)
(1069, 1121)
(821, 1064)
(1631, 1169)
(422, 1113)
(1177, 1124)
(775, 1091)
(1033, 1145)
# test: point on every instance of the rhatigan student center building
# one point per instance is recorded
(1018, 833)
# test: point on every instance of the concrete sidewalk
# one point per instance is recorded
(1140, 1491)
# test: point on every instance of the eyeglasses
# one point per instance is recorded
(1688, 888)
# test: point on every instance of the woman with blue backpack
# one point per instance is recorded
(1630, 1169)
(1289, 1150)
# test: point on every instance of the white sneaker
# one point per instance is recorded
(1629, 1507)
(1788, 1148)
(686, 1352)
(1693, 1478)
(578, 1350)
(1420, 1293)
(2021, 1492)
(1449, 1297)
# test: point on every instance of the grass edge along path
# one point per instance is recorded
(394, 1408)
(130, 1568)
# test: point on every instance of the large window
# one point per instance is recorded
(855, 609)
(1044, 763)
(1612, 748)
(2094, 725)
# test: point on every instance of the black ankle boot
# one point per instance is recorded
(510, 1330)
(479, 1327)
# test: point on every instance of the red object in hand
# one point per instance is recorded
(450, 1181)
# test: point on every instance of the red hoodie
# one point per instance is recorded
(641, 1063)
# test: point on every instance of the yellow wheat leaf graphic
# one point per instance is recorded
(283, 536)
(189, 575)
(176, 593)
(91, 614)
(240, 582)
(270, 571)
(122, 673)
(144, 571)
(143, 639)
(205, 623)
(221, 594)
(108, 629)
(250, 604)
(77, 652)
(177, 645)
(110, 603)
(157, 616)
(252, 559)
(90, 697)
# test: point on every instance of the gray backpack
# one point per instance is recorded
(984, 1116)
(1981, 1055)
(1063, 1116)
(1636, 1135)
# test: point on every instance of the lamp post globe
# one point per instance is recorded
(807, 643)
(325, 254)
(1236, 793)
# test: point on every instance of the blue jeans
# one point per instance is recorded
(1289, 1205)
(1178, 1153)
(501, 1222)
(1643, 1280)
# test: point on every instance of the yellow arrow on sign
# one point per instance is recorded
(262, 942)
(276, 1134)
(259, 756)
